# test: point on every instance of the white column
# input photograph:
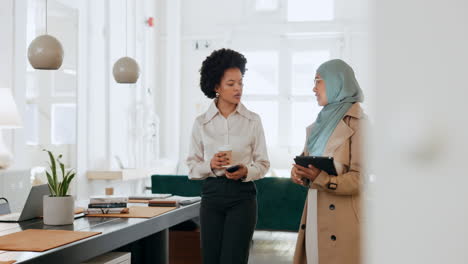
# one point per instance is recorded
(418, 202)
(6, 57)
(6, 45)
(170, 125)
(19, 78)
(82, 103)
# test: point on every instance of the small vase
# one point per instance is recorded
(59, 210)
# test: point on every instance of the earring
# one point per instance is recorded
(217, 95)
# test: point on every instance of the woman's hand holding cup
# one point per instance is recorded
(222, 159)
(219, 161)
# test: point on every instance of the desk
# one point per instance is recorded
(116, 233)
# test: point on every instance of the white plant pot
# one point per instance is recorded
(59, 210)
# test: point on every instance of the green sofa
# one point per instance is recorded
(280, 202)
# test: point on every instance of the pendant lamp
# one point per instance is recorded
(126, 69)
(45, 52)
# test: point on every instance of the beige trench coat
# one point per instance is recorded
(338, 215)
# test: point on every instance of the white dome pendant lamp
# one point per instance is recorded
(45, 52)
(126, 69)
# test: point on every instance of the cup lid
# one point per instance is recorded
(225, 148)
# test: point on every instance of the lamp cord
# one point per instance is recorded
(46, 17)
(126, 28)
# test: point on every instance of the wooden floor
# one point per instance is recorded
(272, 247)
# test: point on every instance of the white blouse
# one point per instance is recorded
(242, 129)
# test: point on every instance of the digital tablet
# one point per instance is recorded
(323, 163)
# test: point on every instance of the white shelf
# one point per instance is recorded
(124, 175)
(161, 167)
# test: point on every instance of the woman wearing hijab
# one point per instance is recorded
(330, 226)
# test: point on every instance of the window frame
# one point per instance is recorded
(286, 45)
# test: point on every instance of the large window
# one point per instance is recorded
(284, 42)
(63, 125)
(303, 66)
(262, 69)
(304, 106)
(266, 5)
(281, 70)
(282, 93)
(268, 111)
(262, 89)
(310, 10)
(32, 124)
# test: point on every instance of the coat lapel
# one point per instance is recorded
(341, 133)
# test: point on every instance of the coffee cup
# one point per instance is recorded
(227, 149)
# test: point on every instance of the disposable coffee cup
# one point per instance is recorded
(109, 191)
(228, 150)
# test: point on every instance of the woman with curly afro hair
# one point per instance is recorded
(227, 134)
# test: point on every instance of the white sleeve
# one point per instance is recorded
(260, 162)
(199, 168)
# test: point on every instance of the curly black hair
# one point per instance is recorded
(215, 65)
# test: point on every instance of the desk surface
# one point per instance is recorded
(116, 232)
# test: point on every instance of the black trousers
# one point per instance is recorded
(228, 216)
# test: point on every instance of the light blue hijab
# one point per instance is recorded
(342, 91)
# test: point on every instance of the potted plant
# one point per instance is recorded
(59, 208)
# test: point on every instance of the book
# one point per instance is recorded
(106, 211)
(163, 203)
(107, 205)
(149, 196)
(108, 199)
(182, 200)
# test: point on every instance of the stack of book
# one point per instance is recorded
(107, 204)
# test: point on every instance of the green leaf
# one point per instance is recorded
(63, 191)
(71, 177)
(65, 188)
(51, 184)
(53, 168)
(68, 173)
(68, 181)
(59, 189)
(62, 168)
(50, 189)
(65, 183)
